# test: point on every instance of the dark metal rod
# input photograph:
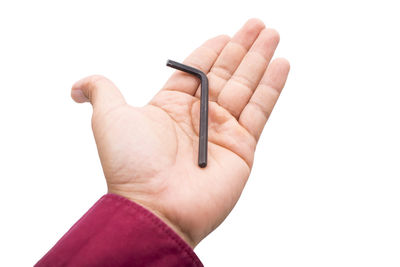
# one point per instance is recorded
(203, 132)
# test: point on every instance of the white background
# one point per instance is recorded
(325, 188)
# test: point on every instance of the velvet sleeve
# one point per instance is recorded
(118, 232)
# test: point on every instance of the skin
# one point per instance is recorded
(149, 153)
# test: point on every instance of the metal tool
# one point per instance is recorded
(203, 132)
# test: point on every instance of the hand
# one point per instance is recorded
(149, 153)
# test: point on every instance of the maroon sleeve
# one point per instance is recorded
(119, 232)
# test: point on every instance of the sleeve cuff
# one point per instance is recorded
(119, 232)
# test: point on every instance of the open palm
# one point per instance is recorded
(149, 154)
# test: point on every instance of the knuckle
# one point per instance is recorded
(95, 80)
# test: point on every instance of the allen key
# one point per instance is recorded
(203, 131)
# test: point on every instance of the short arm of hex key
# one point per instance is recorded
(203, 132)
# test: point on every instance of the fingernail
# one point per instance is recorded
(78, 96)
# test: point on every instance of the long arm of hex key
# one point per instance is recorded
(203, 132)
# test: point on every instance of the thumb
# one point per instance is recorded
(99, 91)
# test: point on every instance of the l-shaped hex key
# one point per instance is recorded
(203, 132)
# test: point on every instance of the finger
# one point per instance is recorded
(258, 109)
(231, 56)
(202, 58)
(99, 91)
(238, 90)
